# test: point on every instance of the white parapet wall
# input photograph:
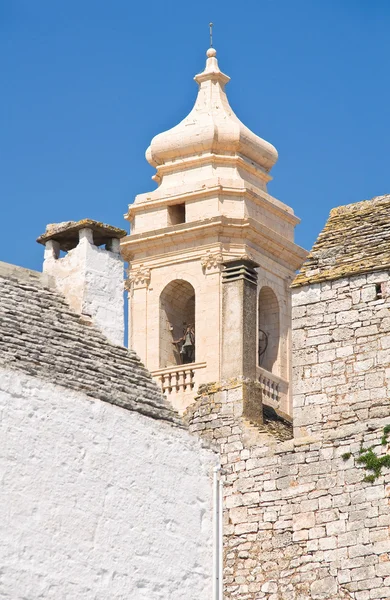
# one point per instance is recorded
(98, 501)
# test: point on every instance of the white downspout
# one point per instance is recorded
(218, 539)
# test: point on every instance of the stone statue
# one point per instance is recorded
(187, 345)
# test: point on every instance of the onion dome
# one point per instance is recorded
(211, 127)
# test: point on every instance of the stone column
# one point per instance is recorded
(52, 252)
(239, 306)
(86, 234)
(239, 333)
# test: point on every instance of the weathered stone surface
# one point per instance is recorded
(67, 233)
(309, 524)
(41, 336)
(355, 239)
(346, 380)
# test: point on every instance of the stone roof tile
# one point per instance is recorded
(42, 336)
(355, 239)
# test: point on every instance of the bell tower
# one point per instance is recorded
(211, 256)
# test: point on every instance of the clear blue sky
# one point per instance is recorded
(87, 83)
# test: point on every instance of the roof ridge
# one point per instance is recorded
(362, 204)
(17, 272)
(354, 240)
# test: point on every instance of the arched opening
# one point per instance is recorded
(177, 324)
(269, 330)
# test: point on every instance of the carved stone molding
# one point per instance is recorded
(211, 260)
(138, 277)
(247, 256)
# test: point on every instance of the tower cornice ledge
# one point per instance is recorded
(222, 229)
(205, 158)
(261, 198)
(234, 160)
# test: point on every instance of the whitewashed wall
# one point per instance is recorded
(91, 279)
(98, 502)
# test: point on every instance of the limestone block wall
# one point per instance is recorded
(150, 219)
(98, 501)
(300, 522)
(341, 354)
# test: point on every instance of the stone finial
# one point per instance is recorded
(210, 127)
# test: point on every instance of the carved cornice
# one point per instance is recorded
(246, 231)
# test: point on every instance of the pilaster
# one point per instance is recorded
(239, 330)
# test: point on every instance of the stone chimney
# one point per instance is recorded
(90, 274)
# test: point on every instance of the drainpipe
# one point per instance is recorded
(218, 539)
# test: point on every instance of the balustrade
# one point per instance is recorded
(178, 378)
(274, 388)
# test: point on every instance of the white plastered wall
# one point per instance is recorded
(98, 502)
(91, 279)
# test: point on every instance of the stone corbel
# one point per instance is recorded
(138, 277)
(211, 261)
(247, 256)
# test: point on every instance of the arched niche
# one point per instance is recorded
(268, 330)
(177, 311)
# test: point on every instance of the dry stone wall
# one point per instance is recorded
(341, 352)
(300, 521)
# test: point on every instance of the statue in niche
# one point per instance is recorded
(186, 345)
(263, 344)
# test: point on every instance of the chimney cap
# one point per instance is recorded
(67, 233)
